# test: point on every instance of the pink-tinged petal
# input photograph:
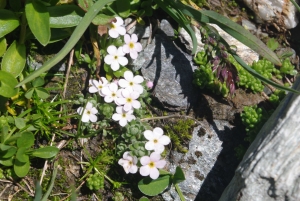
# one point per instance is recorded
(134, 38)
(116, 117)
(133, 169)
(138, 47)
(130, 117)
(160, 164)
(119, 21)
(123, 122)
(138, 79)
(112, 50)
(145, 170)
(93, 118)
(108, 59)
(120, 52)
(108, 99)
(133, 54)
(85, 118)
(115, 66)
(154, 156)
(126, 48)
(103, 80)
(94, 111)
(135, 160)
(138, 88)
(93, 89)
(158, 131)
(127, 107)
(148, 134)
(123, 83)
(165, 140)
(154, 173)
(128, 75)
(119, 110)
(113, 87)
(145, 160)
(123, 61)
(106, 91)
(122, 161)
(126, 38)
(149, 146)
(113, 33)
(125, 93)
(134, 95)
(126, 155)
(80, 110)
(159, 148)
(120, 101)
(136, 104)
(121, 30)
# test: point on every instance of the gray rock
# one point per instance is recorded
(270, 170)
(208, 165)
(170, 69)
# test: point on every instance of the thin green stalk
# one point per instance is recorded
(45, 197)
(23, 29)
(179, 192)
(296, 5)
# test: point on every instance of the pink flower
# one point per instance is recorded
(157, 140)
(129, 163)
(117, 28)
(149, 84)
(150, 165)
(132, 46)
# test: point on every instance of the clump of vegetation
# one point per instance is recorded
(180, 133)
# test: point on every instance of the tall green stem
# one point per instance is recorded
(23, 29)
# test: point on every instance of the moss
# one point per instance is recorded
(180, 133)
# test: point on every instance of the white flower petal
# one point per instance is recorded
(108, 59)
(148, 134)
(138, 88)
(149, 145)
(115, 66)
(154, 156)
(145, 160)
(112, 50)
(133, 54)
(123, 122)
(138, 79)
(93, 89)
(94, 110)
(128, 75)
(138, 47)
(158, 131)
(154, 173)
(160, 164)
(89, 106)
(108, 99)
(93, 118)
(127, 107)
(123, 83)
(164, 140)
(126, 38)
(123, 61)
(119, 21)
(85, 118)
(145, 170)
(122, 30)
(120, 52)
(133, 169)
(135, 104)
(80, 110)
(159, 148)
(134, 38)
(126, 49)
(116, 117)
(113, 33)
(119, 110)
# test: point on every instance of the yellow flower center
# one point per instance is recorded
(112, 26)
(131, 45)
(129, 100)
(131, 83)
(123, 115)
(155, 141)
(116, 57)
(130, 162)
(113, 94)
(151, 164)
(88, 112)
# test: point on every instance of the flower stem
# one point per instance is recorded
(179, 192)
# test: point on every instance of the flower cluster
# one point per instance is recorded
(150, 164)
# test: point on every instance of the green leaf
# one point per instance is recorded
(272, 44)
(120, 72)
(102, 19)
(29, 93)
(38, 20)
(7, 162)
(78, 32)
(65, 16)
(26, 140)
(8, 22)
(38, 82)
(7, 84)
(123, 8)
(59, 34)
(154, 187)
(8, 153)
(14, 59)
(38, 192)
(3, 46)
(178, 176)
(262, 78)
(21, 155)
(42, 93)
(15, 5)
(143, 199)
(4, 147)
(21, 169)
(45, 152)
(232, 28)
(19, 122)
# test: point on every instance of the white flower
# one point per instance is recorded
(97, 86)
(131, 82)
(123, 116)
(128, 100)
(150, 165)
(129, 163)
(115, 57)
(132, 46)
(88, 113)
(156, 140)
(117, 28)
(110, 92)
